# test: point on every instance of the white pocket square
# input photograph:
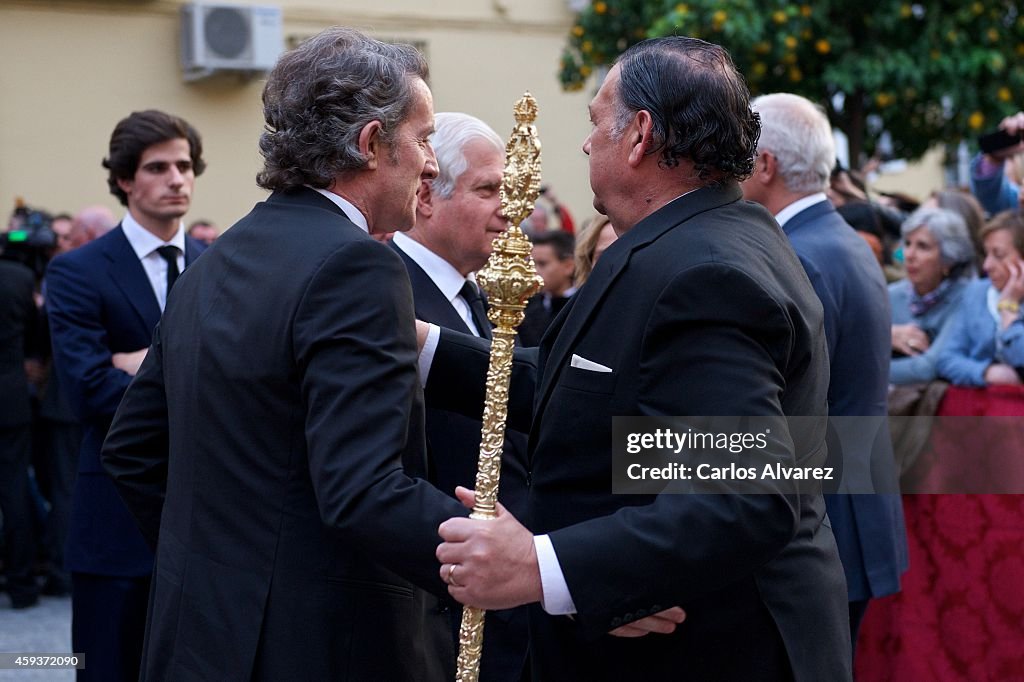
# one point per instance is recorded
(583, 363)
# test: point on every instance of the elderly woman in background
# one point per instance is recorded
(939, 256)
(597, 236)
(968, 208)
(986, 341)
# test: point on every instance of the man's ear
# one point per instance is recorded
(370, 144)
(425, 199)
(125, 185)
(641, 132)
(766, 167)
(568, 267)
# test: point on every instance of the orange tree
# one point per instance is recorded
(926, 72)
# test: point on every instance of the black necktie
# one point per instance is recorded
(472, 296)
(170, 254)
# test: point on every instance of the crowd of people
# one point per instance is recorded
(245, 456)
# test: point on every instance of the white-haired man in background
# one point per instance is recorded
(458, 216)
(795, 155)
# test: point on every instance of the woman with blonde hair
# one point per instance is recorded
(597, 235)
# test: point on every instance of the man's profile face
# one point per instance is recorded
(601, 145)
(557, 274)
(406, 161)
(161, 189)
(469, 220)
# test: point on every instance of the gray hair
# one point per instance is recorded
(950, 231)
(452, 132)
(321, 95)
(797, 132)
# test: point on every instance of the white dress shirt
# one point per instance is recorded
(145, 244)
(353, 213)
(449, 280)
(555, 597)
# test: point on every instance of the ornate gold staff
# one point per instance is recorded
(509, 278)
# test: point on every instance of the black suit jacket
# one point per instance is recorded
(453, 441)
(261, 448)
(452, 438)
(18, 322)
(700, 309)
(537, 318)
(100, 302)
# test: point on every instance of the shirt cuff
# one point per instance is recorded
(427, 354)
(556, 599)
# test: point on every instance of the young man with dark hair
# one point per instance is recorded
(103, 301)
(555, 259)
(137, 133)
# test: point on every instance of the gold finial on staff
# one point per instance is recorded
(509, 279)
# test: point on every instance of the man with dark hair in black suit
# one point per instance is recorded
(555, 259)
(699, 308)
(18, 323)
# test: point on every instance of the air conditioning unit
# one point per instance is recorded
(219, 37)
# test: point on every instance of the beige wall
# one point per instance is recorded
(919, 179)
(71, 69)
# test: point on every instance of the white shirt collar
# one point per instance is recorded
(353, 213)
(992, 302)
(445, 276)
(786, 214)
(144, 242)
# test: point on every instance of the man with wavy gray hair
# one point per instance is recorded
(791, 172)
(269, 446)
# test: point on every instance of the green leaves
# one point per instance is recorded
(932, 71)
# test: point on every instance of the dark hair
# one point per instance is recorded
(322, 94)
(698, 101)
(902, 202)
(137, 133)
(863, 217)
(561, 242)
